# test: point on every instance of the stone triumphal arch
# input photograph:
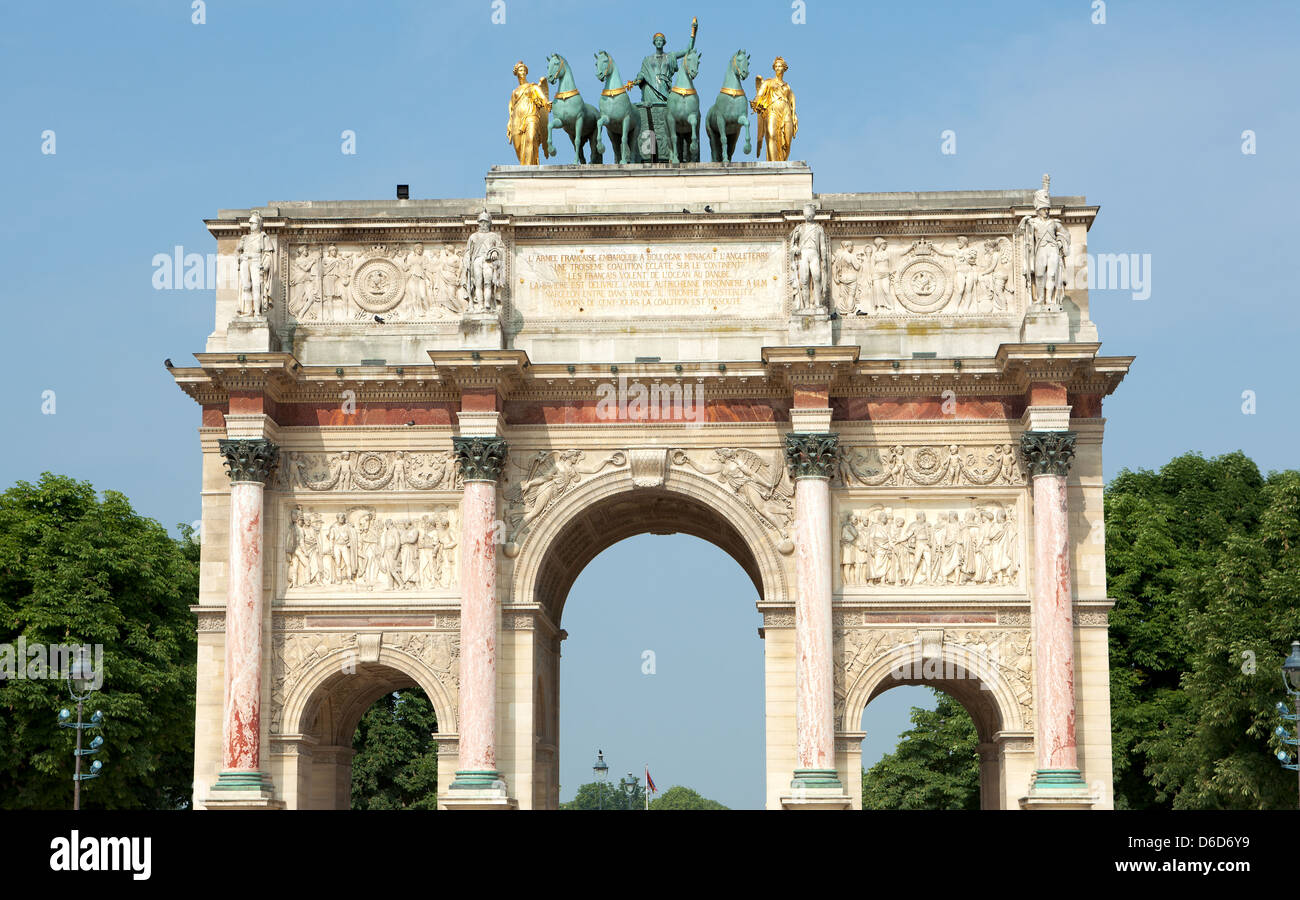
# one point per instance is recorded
(422, 418)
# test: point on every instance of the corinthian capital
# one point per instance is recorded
(250, 460)
(1047, 452)
(812, 455)
(480, 458)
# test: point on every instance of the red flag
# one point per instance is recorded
(650, 782)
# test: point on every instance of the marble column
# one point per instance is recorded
(812, 458)
(1047, 456)
(481, 460)
(249, 463)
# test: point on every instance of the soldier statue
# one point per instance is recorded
(483, 271)
(1045, 248)
(810, 263)
(255, 253)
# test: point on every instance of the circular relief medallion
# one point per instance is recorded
(923, 286)
(377, 285)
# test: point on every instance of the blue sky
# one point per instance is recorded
(159, 123)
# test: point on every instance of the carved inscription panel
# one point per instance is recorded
(667, 279)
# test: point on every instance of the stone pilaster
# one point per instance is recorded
(242, 783)
(812, 459)
(1057, 779)
(481, 459)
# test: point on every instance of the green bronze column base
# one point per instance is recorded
(1058, 789)
(1059, 779)
(476, 780)
(822, 779)
(243, 781)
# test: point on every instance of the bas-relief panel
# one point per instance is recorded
(354, 282)
(971, 545)
(950, 276)
(347, 549)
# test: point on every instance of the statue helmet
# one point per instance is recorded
(485, 216)
(1042, 198)
(657, 34)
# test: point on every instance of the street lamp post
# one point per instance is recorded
(80, 681)
(629, 785)
(1290, 681)
(601, 769)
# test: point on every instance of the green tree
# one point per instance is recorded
(609, 795)
(678, 797)
(936, 764)
(396, 765)
(1203, 558)
(78, 569)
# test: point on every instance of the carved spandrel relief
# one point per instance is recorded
(370, 470)
(760, 481)
(937, 543)
(544, 477)
(947, 276)
(965, 653)
(293, 654)
(950, 464)
(403, 282)
(361, 548)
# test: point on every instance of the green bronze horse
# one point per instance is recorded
(570, 112)
(730, 112)
(684, 111)
(617, 115)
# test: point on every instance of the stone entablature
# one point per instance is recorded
(940, 272)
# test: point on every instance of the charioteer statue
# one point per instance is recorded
(656, 81)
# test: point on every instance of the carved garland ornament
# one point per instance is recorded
(930, 465)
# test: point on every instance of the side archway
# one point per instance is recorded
(323, 708)
(999, 707)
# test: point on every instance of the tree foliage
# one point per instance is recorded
(935, 766)
(606, 795)
(1203, 559)
(78, 569)
(396, 764)
(678, 797)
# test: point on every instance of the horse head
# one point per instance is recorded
(691, 63)
(555, 66)
(740, 64)
(604, 65)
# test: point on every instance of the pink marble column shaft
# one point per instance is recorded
(241, 732)
(813, 679)
(1053, 625)
(479, 612)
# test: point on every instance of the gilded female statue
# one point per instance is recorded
(777, 120)
(530, 106)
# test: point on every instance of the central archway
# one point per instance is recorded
(590, 518)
